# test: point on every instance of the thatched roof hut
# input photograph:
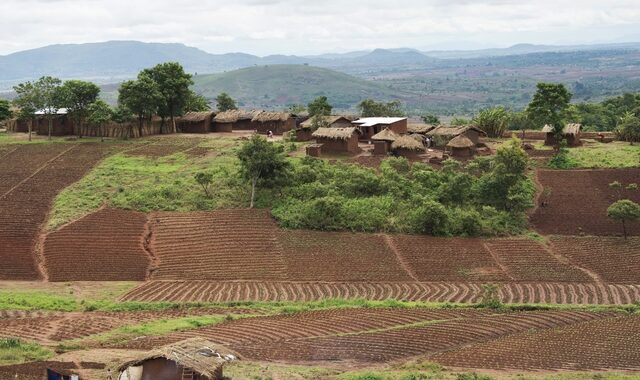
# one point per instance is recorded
(196, 117)
(276, 122)
(267, 116)
(420, 128)
(196, 122)
(338, 140)
(407, 143)
(570, 132)
(461, 146)
(385, 135)
(232, 116)
(443, 134)
(198, 356)
(335, 121)
(335, 133)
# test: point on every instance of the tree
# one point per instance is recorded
(49, 90)
(371, 108)
(629, 128)
(262, 162)
(173, 86)
(5, 110)
(624, 210)
(142, 97)
(99, 113)
(76, 96)
(493, 121)
(457, 121)
(320, 106)
(297, 108)
(28, 101)
(196, 103)
(225, 102)
(205, 180)
(549, 106)
(431, 119)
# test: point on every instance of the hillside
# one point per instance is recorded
(282, 85)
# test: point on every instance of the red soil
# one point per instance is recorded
(526, 260)
(615, 260)
(237, 291)
(327, 256)
(104, 246)
(24, 208)
(448, 259)
(604, 344)
(577, 201)
(218, 245)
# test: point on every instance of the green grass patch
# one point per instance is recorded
(612, 155)
(154, 184)
(14, 351)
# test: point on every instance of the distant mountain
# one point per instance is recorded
(276, 86)
(520, 49)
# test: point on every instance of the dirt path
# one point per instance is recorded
(147, 244)
(500, 265)
(539, 191)
(403, 263)
(565, 260)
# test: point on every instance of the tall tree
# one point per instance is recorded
(320, 106)
(142, 97)
(371, 108)
(262, 162)
(173, 84)
(49, 89)
(77, 95)
(5, 110)
(493, 121)
(225, 102)
(550, 105)
(28, 102)
(99, 113)
(629, 128)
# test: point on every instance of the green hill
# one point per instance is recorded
(276, 86)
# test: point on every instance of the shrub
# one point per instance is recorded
(431, 217)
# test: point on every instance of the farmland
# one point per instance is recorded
(109, 248)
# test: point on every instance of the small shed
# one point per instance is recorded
(443, 134)
(235, 120)
(382, 141)
(407, 146)
(337, 140)
(191, 359)
(461, 146)
(276, 122)
(370, 126)
(571, 133)
(196, 122)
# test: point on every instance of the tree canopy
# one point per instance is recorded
(431, 119)
(371, 108)
(320, 106)
(493, 121)
(5, 110)
(99, 113)
(624, 211)
(140, 96)
(549, 106)
(196, 103)
(629, 128)
(172, 84)
(76, 96)
(225, 102)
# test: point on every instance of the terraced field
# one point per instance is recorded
(104, 246)
(237, 291)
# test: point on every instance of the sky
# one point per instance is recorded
(264, 27)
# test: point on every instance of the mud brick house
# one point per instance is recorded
(382, 141)
(337, 140)
(407, 146)
(276, 122)
(370, 126)
(61, 124)
(192, 359)
(305, 130)
(442, 134)
(196, 122)
(235, 120)
(571, 133)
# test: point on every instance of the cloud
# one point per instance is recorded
(304, 27)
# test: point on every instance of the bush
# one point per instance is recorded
(431, 218)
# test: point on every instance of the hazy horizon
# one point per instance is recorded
(294, 27)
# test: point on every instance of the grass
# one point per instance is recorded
(612, 155)
(14, 351)
(154, 184)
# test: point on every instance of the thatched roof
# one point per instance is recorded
(328, 119)
(416, 136)
(420, 128)
(266, 116)
(233, 116)
(569, 129)
(385, 135)
(460, 141)
(335, 133)
(371, 121)
(446, 131)
(198, 354)
(197, 117)
(407, 143)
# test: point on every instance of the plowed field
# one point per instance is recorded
(326, 256)
(615, 260)
(603, 344)
(220, 291)
(448, 259)
(218, 245)
(25, 202)
(577, 200)
(103, 246)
